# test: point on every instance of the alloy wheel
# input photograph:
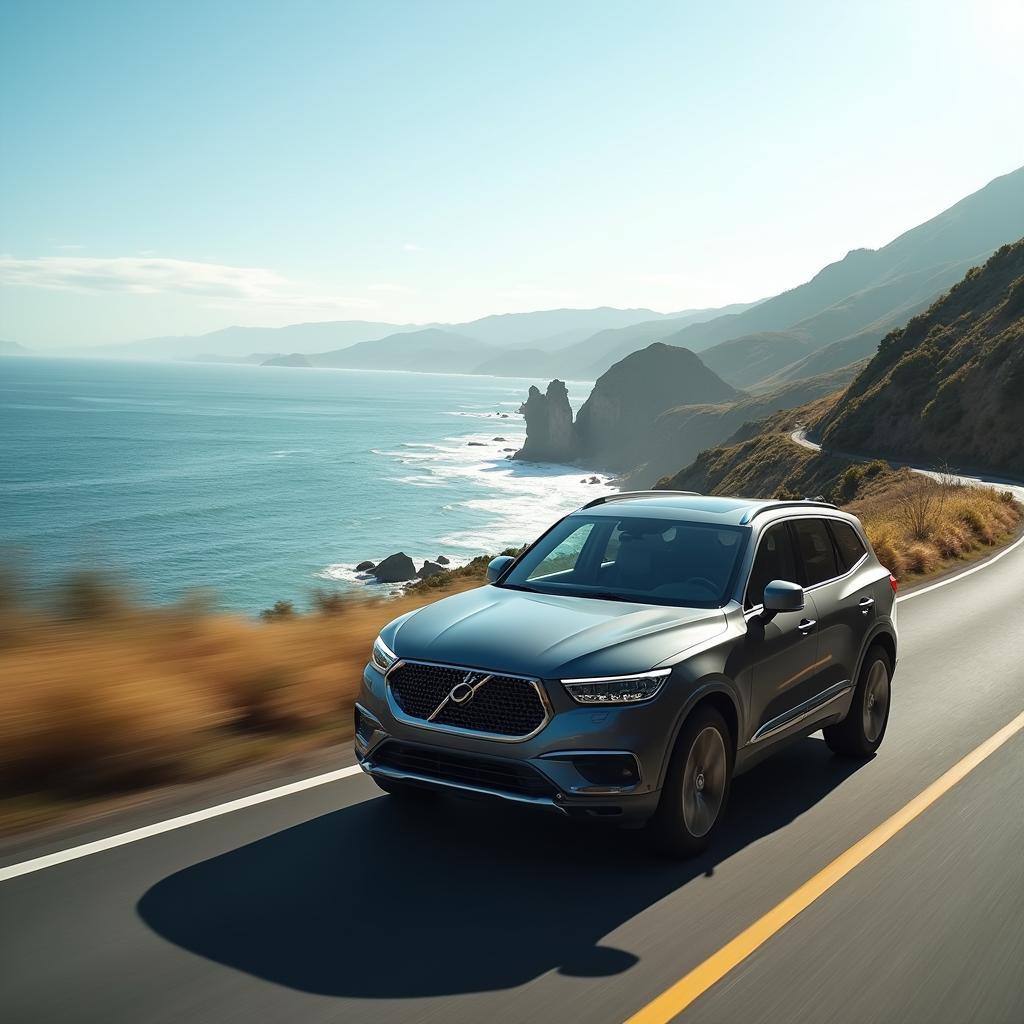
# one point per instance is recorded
(704, 781)
(876, 701)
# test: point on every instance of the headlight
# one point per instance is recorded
(382, 656)
(617, 689)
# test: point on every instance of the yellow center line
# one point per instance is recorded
(675, 999)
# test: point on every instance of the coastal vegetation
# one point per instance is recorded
(103, 695)
(949, 384)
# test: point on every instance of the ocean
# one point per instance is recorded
(261, 483)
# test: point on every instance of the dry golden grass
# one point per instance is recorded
(920, 526)
(113, 697)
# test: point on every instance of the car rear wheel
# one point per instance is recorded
(696, 788)
(860, 734)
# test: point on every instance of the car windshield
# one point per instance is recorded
(650, 561)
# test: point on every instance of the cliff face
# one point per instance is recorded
(549, 433)
(948, 386)
(614, 425)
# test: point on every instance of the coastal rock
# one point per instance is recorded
(366, 566)
(499, 438)
(476, 444)
(442, 560)
(614, 425)
(430, 569)
(396, 568)
(549, 433)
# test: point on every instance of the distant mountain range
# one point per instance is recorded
(830, 322)
(505, 344)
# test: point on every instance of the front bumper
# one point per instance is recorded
(552, 769)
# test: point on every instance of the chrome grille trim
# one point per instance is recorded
(454, 730)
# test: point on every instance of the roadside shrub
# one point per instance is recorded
(280, 610)
(920, 558)
(919, 503)
(886, 548)
(89, 595)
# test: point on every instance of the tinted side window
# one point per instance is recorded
(775, 560)
(851, 548)
(816, 550)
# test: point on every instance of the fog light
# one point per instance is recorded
(608, 769)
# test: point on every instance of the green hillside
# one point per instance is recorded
(948, 386)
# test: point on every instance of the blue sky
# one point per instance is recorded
(175, 167)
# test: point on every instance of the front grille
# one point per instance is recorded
(465, 769)
(503, 706)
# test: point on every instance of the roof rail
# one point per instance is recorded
(749, 517)
(627, 495)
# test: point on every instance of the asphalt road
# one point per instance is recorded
(336, 904)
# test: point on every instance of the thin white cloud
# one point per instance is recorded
(397, 289)
(411, 247)
(152, 275)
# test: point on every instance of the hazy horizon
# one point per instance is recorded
(181, 170)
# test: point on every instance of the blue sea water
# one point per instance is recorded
(260, 483)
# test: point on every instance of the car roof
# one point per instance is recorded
(699, 508)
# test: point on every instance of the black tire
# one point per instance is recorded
(686, 820)
(403, 790)
(861, 732)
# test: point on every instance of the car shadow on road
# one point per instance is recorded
(381, 900)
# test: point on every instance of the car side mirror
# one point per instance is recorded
(781, 596)
(496, 566)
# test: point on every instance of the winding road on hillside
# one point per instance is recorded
(326, 901)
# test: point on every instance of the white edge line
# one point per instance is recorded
(183, 821)
(86, 849)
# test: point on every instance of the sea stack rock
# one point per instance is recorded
(615, 422)
(549, 436)
(396, 568)
(366, 566)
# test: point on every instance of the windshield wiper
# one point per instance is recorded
(607, 595)
(518, 586)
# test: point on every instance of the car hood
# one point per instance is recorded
(549, 636)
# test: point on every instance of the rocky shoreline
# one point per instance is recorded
(400, 568)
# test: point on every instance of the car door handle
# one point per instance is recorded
(806, 625)
(865, 604)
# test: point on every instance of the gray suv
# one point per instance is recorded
(641, 652)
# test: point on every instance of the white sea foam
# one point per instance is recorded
(509, 502)
(502, 503)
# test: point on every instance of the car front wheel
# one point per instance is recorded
(696, 786)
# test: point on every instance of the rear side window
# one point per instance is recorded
(775, 560)
(816, 551)
(850, 547)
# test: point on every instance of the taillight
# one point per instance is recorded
(894, 583)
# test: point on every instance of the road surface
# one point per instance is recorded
(333, 903)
